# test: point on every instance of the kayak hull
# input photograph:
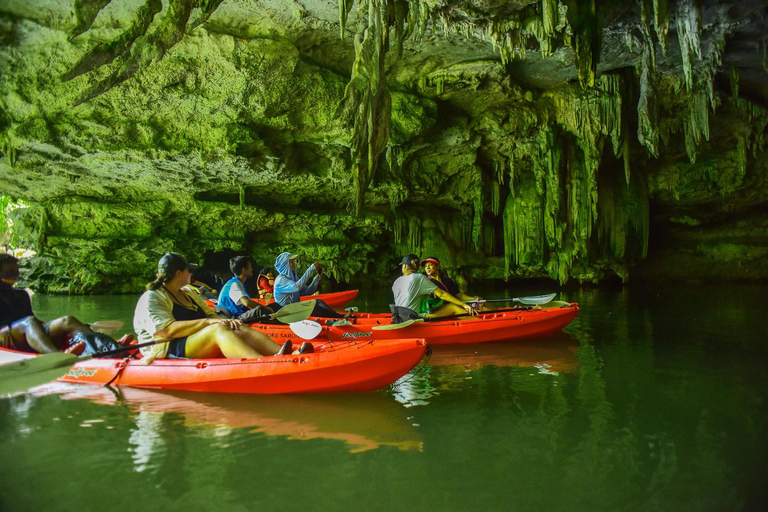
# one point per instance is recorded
(335, 300)
(332, 368)
(496, 326)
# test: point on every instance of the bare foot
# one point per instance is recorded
(126, 340)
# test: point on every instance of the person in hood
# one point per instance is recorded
(289, 288)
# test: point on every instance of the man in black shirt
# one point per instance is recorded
(20, 329)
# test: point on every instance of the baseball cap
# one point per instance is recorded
(173, 262)
(408, 258)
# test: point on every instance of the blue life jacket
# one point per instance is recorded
(235, 309)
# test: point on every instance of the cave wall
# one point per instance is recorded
(236, 138)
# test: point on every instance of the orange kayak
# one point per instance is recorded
(335, 300)
(332, 368)
(505, 325)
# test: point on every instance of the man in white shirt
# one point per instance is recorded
(412, 288)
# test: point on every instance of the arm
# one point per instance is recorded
(447, 297)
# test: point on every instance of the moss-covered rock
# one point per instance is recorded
(523, 139)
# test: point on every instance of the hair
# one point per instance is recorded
(159, 281)
(238, 263)
(7, 259)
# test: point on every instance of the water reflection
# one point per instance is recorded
(363, 421)
(451, 367)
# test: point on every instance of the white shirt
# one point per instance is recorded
(154, 312)
(410, 291)
(237, 292)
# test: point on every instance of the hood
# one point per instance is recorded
(282, 266)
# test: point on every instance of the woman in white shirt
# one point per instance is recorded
(166, 312)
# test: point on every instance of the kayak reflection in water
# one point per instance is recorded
(21, 330)
(166, 312)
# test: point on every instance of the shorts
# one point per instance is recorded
(177, 348)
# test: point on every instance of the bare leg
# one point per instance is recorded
(218, 339)
(65, 327)
(447, 309)
(258, 340)
(30, 331)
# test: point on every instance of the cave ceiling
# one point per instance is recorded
(509, 118)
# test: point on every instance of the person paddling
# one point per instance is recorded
(436, 274)
(166, 312)
(289, 288)
(411, 290)
(21, 330)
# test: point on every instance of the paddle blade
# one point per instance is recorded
(107, 326)
(392, 327)
(28, 373)
(536, 299)
(295, 312)
(306, 329)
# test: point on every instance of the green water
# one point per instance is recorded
(651, 400)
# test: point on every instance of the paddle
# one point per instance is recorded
(37, 370)
(295, 312)
(528, 301)
(391, 327)
(306, 329)
(107, 326)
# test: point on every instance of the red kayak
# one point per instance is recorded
(332, 368)
(504, 325)
(335, 300)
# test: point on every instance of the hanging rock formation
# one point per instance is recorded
(574, 140)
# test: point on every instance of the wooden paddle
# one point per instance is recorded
(36, 370)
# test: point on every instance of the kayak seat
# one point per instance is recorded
(402, 314)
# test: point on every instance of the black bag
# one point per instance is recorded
(95, 342)
(402, 314)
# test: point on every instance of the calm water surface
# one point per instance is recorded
(651, 400)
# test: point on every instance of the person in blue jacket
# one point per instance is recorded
(289, 288)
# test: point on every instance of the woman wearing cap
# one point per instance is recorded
(167, 312)
(438, 277)
(289, 288)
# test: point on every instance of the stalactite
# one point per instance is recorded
(734, 80)
(367, 103)
(586, 38)
(242, 197)
(414, 233)
(344, 7)
(661, 23)
(593, 113)
(104, 53)
(85, 14)
(477, 208)
(494, 185)
(689, 36)
(147, 49)
(647, 109)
